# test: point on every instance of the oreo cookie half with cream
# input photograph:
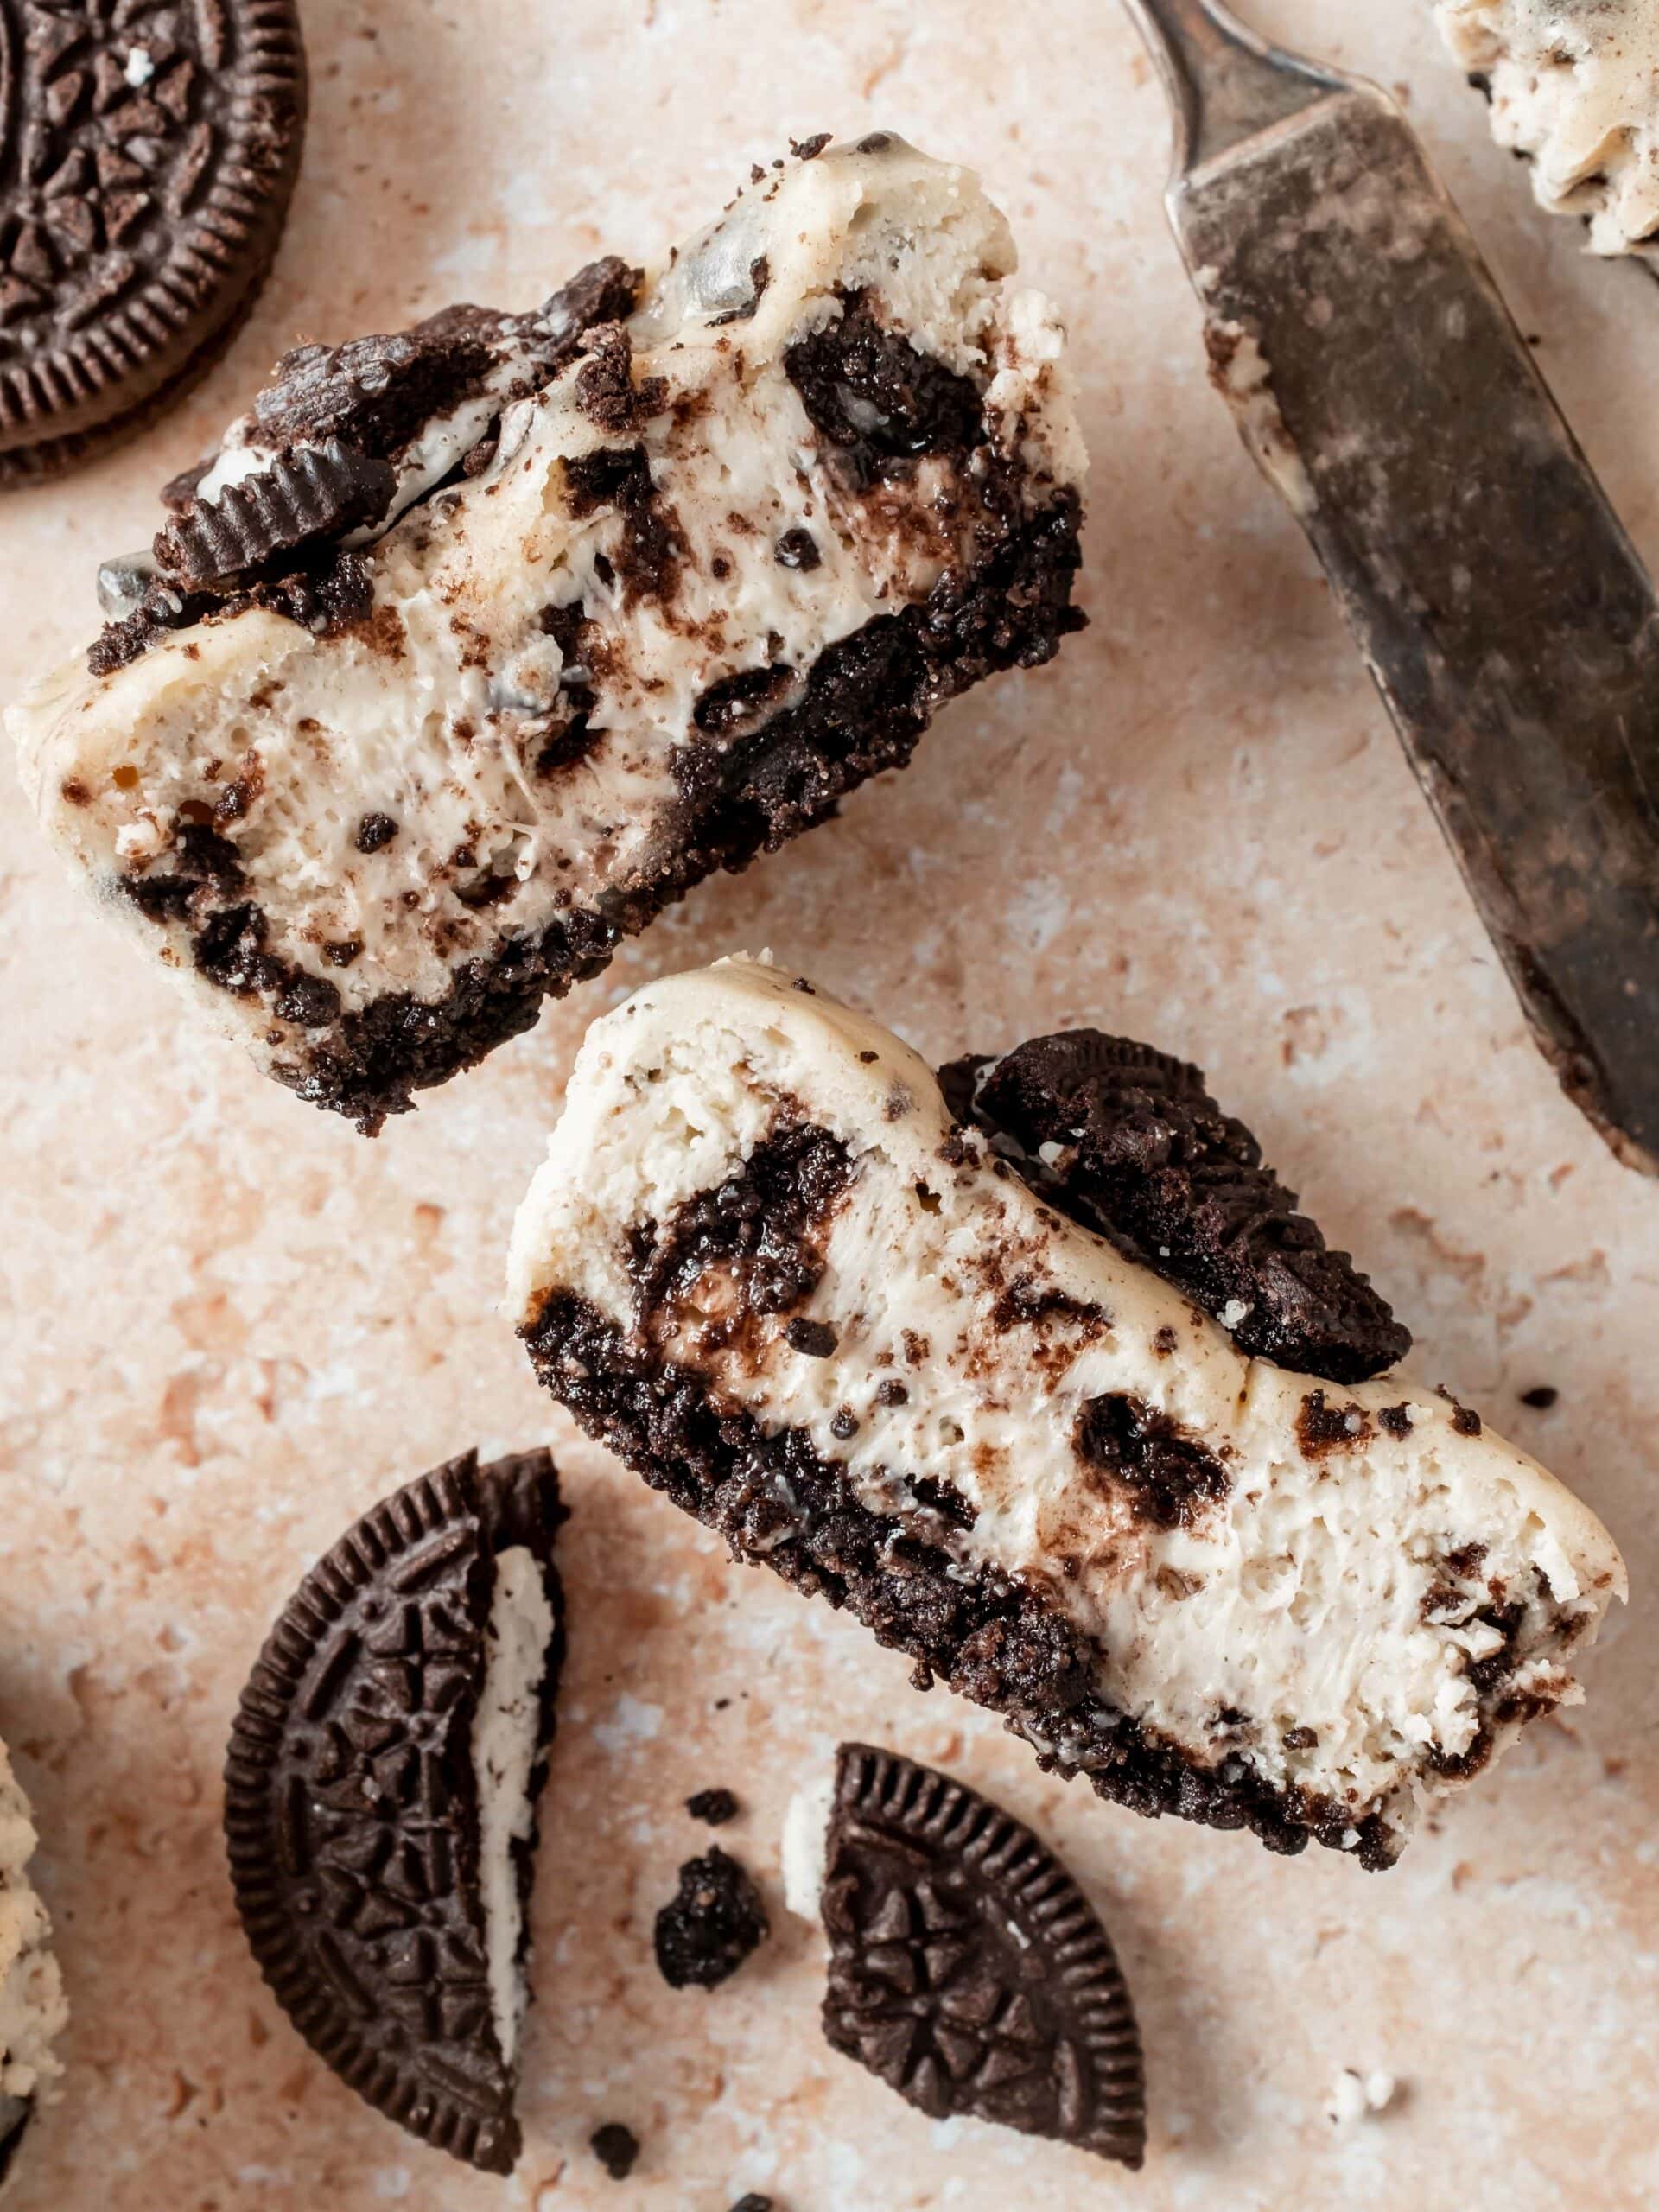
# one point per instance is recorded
(33, 2010)
(380, 1796)
(1573, 86)
(767, 1263)
(475, 646)
(967, 1968)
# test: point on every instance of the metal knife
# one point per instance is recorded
(1378, 379)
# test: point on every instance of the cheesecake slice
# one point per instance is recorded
(989, 1389)
(1573, 86)
(475, 646)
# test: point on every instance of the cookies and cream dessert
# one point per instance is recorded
(1574, 86)
(1049, 1383)
(474, 646)
(34, 2012)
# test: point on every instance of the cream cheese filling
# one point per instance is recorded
(507, 1737)
(1574, 85)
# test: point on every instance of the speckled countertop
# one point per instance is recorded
(230, 1323)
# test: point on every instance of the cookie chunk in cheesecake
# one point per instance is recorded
(768, 1264)
(475, 646)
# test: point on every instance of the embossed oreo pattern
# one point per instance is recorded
(967, 1968)
(148, 150)
(351, 1805)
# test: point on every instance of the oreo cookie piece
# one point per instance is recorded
(380, 1793)
(967, 1968)
(147, 157)
(704, 1933)
(315, 492)
(1127, 1141)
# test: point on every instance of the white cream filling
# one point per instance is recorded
(437, 715)
(1315, 1599)
(34, 2011)
(506, 1735)
(806, 1846)
(1574, 85)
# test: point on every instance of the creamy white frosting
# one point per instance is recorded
(34, 2011)
(506, 1735)
(1318, 1595)
(435, 714)
(1574, 85)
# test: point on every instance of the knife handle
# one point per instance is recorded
(1224, 83)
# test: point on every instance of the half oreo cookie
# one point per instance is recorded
(148, 154)
(1127, 1140)
(967, 1968)
(380, 1794)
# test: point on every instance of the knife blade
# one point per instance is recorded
(1380, 383)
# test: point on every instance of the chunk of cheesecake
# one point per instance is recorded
(767, 1263)
(474, 646)
(33, 2011)
(1573, 84)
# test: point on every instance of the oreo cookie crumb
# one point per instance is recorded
(616, 2147)
(374, 831)
(797, 549)
(753, 2204)
(715, 1807)
(813, 1339)
(716, 1920)
(1541, 1397)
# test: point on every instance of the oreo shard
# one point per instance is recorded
(967, 1968)
(574, 606)
(768, 1262)
(380, 1794)
(33, 2010)
(1127, 1140)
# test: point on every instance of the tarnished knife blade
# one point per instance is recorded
(1378, 379)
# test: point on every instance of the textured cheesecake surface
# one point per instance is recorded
(33, 2010)
(475, 646)
(765, 1262)
(1574, 86)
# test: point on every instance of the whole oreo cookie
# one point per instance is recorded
(380, 1791)
(966, 1969)
(1127, 1141)
(148, 153)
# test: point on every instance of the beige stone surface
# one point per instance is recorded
(229, 1322)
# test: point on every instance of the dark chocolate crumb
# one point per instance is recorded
(797, 549)
(616, 2147)
(1395, 1420)
(714, 1806)
(1541, 1397)
(808, 149)
(843, 1424)
(1466, 1421)
(753, 2204)
(373, 831)
(892, 1394)
(816, 1340)
(716, 1920)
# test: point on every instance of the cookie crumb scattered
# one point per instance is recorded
(715, 1807)
(717, 1919)
(616, 2147)
(1541, 1397)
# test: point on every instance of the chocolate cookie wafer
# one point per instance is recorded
(967, 1968)
(380, 1795)
(1126, 1139)
(147, 157)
